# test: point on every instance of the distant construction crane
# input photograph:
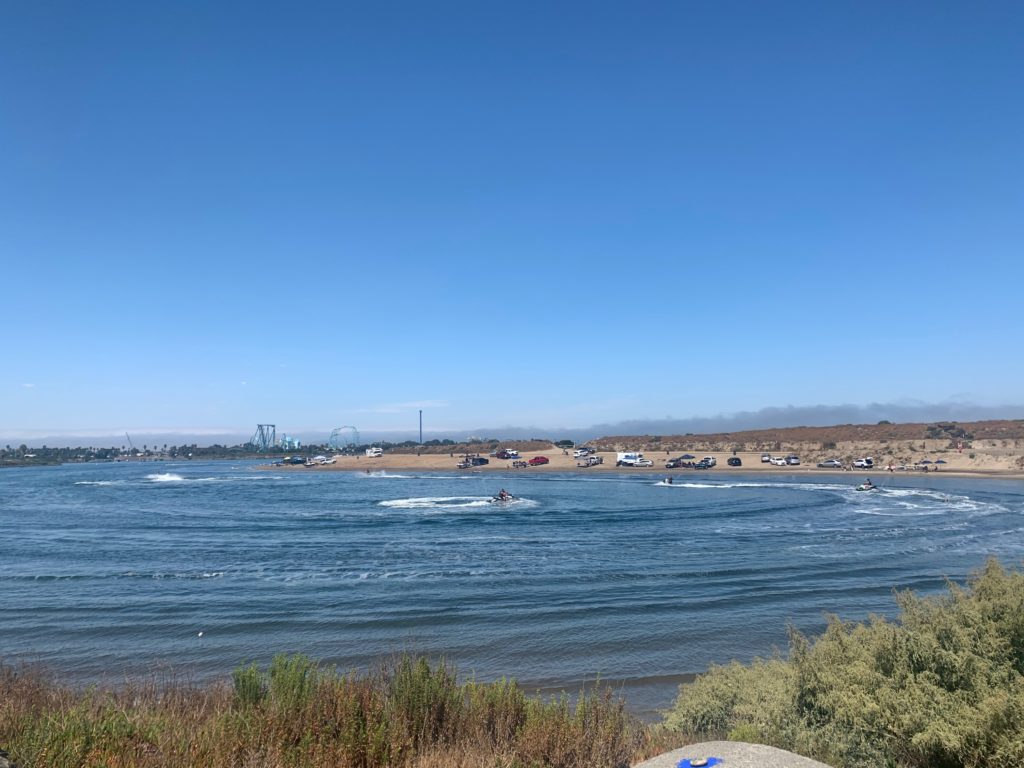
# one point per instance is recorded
(131, 446)
(265, 438)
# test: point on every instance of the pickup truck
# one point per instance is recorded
(537, 461)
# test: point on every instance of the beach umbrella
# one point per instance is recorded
(925, 461)
(687, 456)
(940, 461)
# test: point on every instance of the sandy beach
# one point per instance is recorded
(974, 463)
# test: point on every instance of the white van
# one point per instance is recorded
(374, 453)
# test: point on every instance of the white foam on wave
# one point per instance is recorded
(165, 477)
(791, 486)
(688, 485)
(437, 502)
(99, 482)
(441, 503)
(186, 575)
(901, 512)
(381, 473)
(173, 477)
(906, 502)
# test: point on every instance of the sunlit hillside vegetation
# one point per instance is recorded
(941, 687)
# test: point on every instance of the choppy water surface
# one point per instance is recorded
(113, 569)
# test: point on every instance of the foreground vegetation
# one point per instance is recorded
(942, 687)
(411, 714)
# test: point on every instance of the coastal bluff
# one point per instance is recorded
(732, 754)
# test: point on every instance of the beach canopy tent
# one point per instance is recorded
(687, 456)
(940, 461)
(925, 461)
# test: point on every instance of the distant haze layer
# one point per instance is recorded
(766, 418)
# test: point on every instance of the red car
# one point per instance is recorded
(536, 461)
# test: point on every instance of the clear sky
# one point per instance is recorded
(532, 213)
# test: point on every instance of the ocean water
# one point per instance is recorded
(110, 571)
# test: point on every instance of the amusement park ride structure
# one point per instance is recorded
(343, 437)
(265, 439)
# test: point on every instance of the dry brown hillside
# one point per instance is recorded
(979, 446)
(483, 447)
(769, 439)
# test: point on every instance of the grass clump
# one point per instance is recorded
(941, 687)
(411, 712)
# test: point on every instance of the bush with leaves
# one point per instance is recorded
(940, 687)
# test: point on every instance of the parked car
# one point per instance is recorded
(765, 458)
(830, 464)
(734, 461)
(793, 460)
(674, 463)
(709, 460)
(536, 461)
(703, 464)
(778, 461)
(866, 463)
(643, 463)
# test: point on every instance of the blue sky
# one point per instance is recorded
(213, 215)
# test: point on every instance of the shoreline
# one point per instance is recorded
(559, 462)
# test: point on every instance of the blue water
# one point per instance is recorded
(113, 570)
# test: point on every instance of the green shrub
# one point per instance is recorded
(293, 679)
(424, 702)
(249, 685)
(941, 687)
